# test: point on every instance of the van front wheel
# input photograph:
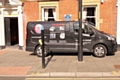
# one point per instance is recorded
(100, 50)
(38, 51)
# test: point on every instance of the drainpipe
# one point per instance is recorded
(118, 22)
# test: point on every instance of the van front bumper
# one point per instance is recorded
(115, 48)
(112, 47)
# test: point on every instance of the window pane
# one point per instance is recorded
(91, 11)
(48, 14)
(89, 14)
(91, 20)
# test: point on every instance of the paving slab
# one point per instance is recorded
(23, 63)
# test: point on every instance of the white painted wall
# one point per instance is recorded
(20, 26)
(118, 22)
(0, 28)
(2, 33)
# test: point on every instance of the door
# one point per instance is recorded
(56, 37)
(7, 32)
(70, 37)
(11, 31)
(88, 37)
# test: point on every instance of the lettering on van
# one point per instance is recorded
(89, 40)
(85, 43)
(38, 37)
(52, 35)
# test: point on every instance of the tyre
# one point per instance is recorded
(38, 51)
(100, 51)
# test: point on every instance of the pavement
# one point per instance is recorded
(20, 63)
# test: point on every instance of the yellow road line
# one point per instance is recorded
(115, 73)
(32, 74)
(35, 74)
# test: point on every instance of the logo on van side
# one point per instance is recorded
(38, 28)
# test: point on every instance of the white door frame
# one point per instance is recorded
(2, 33)
(20, 25)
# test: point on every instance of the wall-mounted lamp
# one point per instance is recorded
(102, 1)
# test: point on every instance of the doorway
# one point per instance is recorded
(11, 31)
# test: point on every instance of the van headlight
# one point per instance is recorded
(111, 38)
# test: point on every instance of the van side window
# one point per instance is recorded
(76, 26)
(87, 30)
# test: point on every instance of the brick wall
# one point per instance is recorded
(108, 12)
(30, 13)
(68, 7)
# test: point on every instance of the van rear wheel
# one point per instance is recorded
(38, 51)
(100, 50)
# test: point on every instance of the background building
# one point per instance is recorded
(11, 23)
(102, 13)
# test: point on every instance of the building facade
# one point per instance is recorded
(102, 13)
(11, 23)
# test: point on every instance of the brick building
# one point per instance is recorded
(103, 13)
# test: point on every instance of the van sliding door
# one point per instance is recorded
(69, 37)
(56, 37)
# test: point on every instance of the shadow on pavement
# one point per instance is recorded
(33, 54)
(69, 54)
(63, 54)
(48, 60)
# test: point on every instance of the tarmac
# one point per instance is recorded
(20, 63)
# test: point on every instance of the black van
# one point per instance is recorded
(62, 36)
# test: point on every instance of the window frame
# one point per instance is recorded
(43, 13)
(49, 4)
(96, 12)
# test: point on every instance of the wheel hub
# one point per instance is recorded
(99, 51)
